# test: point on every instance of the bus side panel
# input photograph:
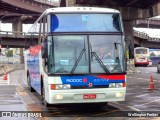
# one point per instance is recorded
(33, 66)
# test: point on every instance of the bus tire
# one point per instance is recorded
(43, 97)
(29, 83)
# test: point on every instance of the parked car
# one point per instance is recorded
(150, 62)
(155, 59)
(158, 67)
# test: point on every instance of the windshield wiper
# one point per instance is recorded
(100, 62)
(77, 61)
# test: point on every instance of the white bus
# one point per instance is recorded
(141, 56)
(65, 65)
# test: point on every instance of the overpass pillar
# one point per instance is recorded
(128, 30)
(67, 3)
(70, 3)
(17, 29)
(129, 37)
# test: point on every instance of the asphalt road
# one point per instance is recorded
(139, 96)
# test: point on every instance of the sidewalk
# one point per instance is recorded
(131, 67)
(10, 67)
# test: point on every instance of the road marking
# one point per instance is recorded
(3, 82)
(141, 95)
(143, 79)
(78, 118)
(129, 77)
(55, 113)
(148, 102)
(133, 108)
(130, 89)
(107, 112)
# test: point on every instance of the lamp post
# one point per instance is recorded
(148, 22)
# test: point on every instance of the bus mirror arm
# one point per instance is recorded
(44, 49)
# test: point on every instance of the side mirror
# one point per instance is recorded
(44, 51)
(131, 56)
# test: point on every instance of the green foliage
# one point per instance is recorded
(9, 53)
(152, 54)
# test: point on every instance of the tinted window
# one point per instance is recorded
(85, 23)
(141, 51)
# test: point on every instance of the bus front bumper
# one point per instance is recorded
(86, 95)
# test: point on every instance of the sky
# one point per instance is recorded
(8, 27)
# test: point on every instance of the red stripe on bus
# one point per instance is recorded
(112, 77)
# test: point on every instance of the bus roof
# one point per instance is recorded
(77, 10)
(81, 9)
(141, 48)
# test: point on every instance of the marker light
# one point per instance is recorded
(53, 86)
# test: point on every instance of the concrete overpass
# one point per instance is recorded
(130, 9)
(18, 12)
(148, 23)
(26, 11)
(145, 39)
(147, 32)
(16, 40)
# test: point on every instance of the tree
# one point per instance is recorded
(9, 53)
(152, 54)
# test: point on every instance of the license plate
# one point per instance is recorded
(89, 96)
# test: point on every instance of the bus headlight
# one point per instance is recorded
(65, 86)
(119, 85)
(116, 85)
(112, 85)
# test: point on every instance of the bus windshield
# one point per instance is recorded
(85, 22)
(84, 54)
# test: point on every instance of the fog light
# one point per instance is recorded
(59, 96)
(119, 94)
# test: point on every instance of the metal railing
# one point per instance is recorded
(12, 33)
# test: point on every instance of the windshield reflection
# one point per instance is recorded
(71, 54)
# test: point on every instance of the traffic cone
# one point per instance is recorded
(5, 76)
(151, 85)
